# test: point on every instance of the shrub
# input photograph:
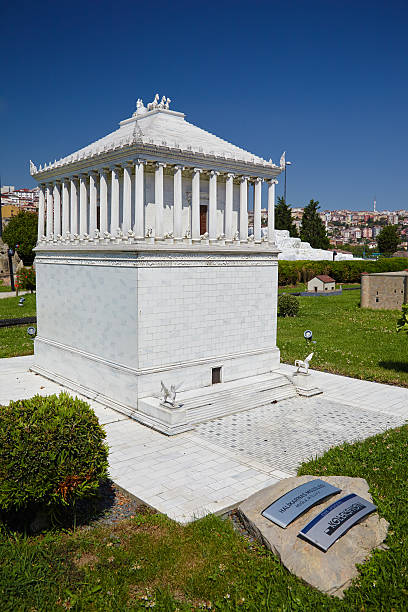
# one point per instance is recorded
(288, 305)
(25, 279)
(51, 452)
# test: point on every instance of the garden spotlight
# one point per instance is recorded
(31, 331)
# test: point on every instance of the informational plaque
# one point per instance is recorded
(334, 521)
(297, 501)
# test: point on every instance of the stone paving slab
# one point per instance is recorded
(192, 474)
(292, 431)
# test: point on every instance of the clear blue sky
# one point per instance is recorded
(324, 80)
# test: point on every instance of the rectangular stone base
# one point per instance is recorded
(114, 324)
(305, 385)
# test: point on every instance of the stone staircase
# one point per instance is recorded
(227, 398)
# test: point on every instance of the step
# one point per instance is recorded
(226, 398)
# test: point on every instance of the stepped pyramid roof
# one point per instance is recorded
(158, 127)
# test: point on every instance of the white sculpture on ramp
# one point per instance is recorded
(169, 395)
(303, 364)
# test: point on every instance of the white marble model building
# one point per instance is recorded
(146, 274)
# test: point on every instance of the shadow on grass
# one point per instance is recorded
(85, 512)
(396, 366)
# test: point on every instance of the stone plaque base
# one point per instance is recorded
(305, 384)
(333, 571)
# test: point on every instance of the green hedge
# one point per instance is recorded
(293, 272)
(52, 452)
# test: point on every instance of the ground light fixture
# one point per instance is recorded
(308, 334)
(21, 301)
(31, 331)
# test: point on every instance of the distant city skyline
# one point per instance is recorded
(323, 81)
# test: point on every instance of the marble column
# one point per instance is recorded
(178, 203)
(139, 199)
(257, 209)
(65, 207)
(93, 222)
(159, 197)
(114, 226)
(50, 224)
(83, 204)
(41, 213)
(243, 208)
(103, 200)
(229, 196)
(212, 206)
(271, 210)
(74, 206)
(127, 199)
(57, 210)
(195, 204)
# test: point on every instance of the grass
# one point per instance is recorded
(9, 308)
(14, 341)
(150, 561)
(355, 342)
(303, 287)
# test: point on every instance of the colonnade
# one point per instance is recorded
(69, 206)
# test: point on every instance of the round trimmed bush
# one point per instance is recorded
(52, 452)
(288, 305)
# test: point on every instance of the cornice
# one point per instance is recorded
(156, 153)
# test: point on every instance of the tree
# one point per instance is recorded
(312, 229)
(21, 230)
(283, 218)
(388, 239)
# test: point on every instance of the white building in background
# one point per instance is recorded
(146, 274)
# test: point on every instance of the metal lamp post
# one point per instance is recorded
(10, 258)
(288, 163)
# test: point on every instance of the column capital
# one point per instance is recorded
(140, 162)
(214, 173)
(178, 167)
(272, 181)
(93, 172)
(231, 175)
(199, 170)
(258, 180)
(160, 164)
(104, 171)
(243, 179)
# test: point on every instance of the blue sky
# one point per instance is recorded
(324, 80)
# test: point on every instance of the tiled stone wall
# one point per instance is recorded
(118, 324)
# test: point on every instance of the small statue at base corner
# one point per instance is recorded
(169, 395)
(303, 364)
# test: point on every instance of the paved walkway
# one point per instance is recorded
(194, 473)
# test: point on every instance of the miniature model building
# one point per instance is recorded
(150, 295)
(321, 283)
(384, 290)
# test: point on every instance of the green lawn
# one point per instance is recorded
(150, 561)
(352, 341)
(14, 341)
(303, 287)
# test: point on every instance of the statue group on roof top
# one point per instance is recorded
(164, 104)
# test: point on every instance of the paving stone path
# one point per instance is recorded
(295, 430)
(224, 461)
